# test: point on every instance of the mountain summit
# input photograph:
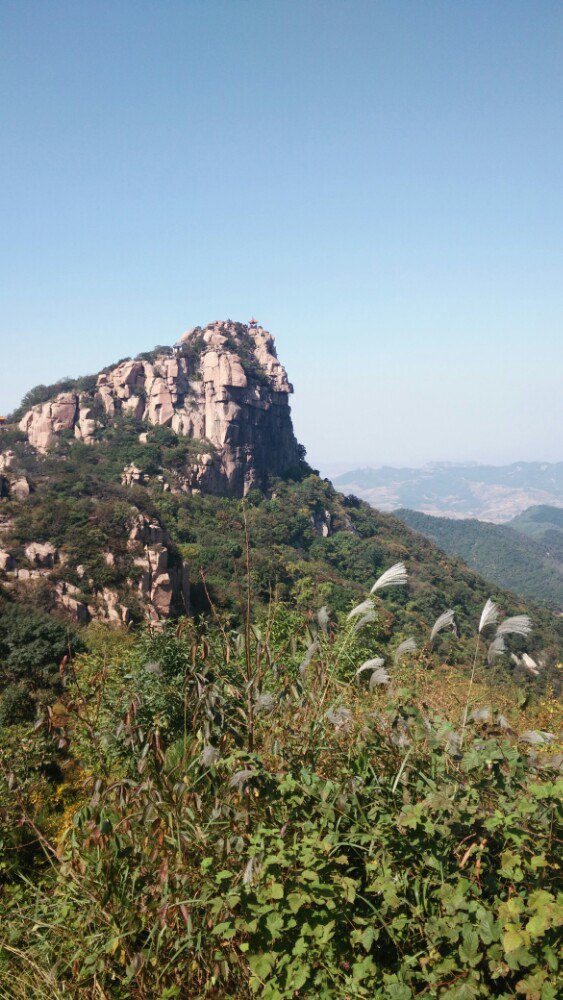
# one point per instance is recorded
(221, 385)
(120, 500)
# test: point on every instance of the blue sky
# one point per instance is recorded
(380, 183)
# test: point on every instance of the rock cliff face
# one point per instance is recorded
(221, 385)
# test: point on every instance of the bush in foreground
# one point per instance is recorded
(256, 820)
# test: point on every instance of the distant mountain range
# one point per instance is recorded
(488, 492)
(525, 555)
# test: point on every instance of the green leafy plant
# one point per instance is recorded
(251, 822)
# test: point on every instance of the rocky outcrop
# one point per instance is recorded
(133, 476)
(162, 583)
(7, 460)
(42, 554)
(68, 411)
(322, 523)
(114, 611)
(222, 385)
(66, 598)
(12, 483)
(20, 488)
(7, 561)
(46, 421)
(85, 424)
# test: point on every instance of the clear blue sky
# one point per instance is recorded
(380, 183)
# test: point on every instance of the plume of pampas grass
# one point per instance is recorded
(526, 662)
(517, 625)
(530, 665)
(374, 664)
(535, 738)
(323, 619)
(396, 576)
(241, 778)
(264, 702)
(369, 616)
(447, 620)
(408, 646)
(209, 755)
(481, 715)
(340, 718)
(497, 648)
(489, 615)
(252, 870)
(310, 652)
(379, 676)
(360, 609)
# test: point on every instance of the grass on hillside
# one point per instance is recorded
(245, 813)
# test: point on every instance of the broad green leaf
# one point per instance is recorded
(512, 940)
(274, 923)
(261, 965)
(296, 900)
(297, 976)
(300, 947)
(469, 947)
(367, 938)
(274, 891)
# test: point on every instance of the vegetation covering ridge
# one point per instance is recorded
(529, 565)
(544, 524)
(315, 545)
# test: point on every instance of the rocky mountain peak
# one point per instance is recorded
(221, 385)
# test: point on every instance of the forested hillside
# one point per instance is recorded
(309, 543)
(529, 564)
(545, 525)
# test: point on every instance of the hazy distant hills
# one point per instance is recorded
(488, 492)
(525, 555)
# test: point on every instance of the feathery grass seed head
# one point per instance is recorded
(517, 625)
(396, 576)
(369, 616)
(496, 648)
(360, 609)
(408, 646)
(323, 619)
(379, 677)
(447, 620)
(489, 615)
(377, 661)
